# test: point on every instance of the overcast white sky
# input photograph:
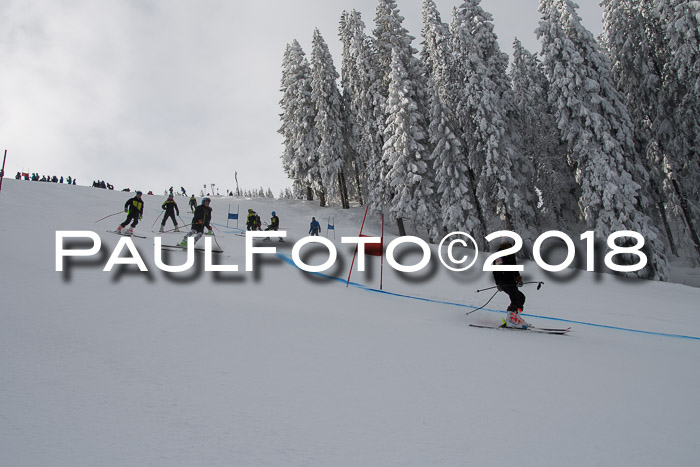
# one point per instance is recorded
(152, 93)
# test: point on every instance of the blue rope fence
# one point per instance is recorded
(289, 261)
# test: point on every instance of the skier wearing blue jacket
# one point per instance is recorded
(314, 227)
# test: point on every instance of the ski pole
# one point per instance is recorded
(214, 237)
(217, 243)
(2, 171)
(154, 222)
(494, 294)
(539, 286)
(105, 217)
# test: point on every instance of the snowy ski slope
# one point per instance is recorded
(282, 368)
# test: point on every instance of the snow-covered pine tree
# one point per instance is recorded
(456, 195)
(352, 136)
(540, 142)
(681, 85)
(298, 113)
(631, 28)
(595, 124)
(328, 123)
(438, 58)
(391, 37)
(298, 191)
(412, 190)
(681, 23)
(483, 106)
(389, 34)
(364, 104)
(634, 70)
(436, 53)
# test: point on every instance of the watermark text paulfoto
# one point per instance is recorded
(464, 261)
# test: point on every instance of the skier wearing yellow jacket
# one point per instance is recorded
(251, 221)
(202, 218)
(171, 208)
(134, 209)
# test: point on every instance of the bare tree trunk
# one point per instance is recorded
(479, 211)
(359, 185)
(669, 234)
(509, 222)
(663, 215)
(688, 218)
(309, 194)
(402, 229)
(344, 199)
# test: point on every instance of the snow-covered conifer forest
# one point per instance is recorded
(586, 134)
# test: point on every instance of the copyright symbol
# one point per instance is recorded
(468, 243)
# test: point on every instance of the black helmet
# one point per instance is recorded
(204, 200)
(139, 193)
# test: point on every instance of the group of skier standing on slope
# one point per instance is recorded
(253, 223)
(202, 218)
(506, 281)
